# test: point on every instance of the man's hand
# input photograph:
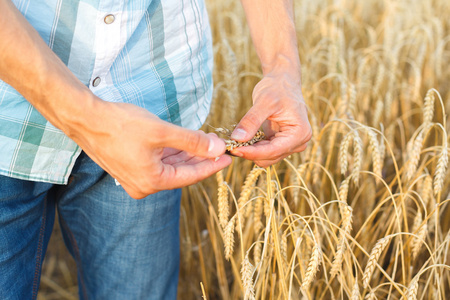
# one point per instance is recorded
(279, 107)
(144, 153)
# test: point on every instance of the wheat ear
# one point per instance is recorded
(346, 228)
(247, 188)
(373, 259)
(428, 109)
(441, 169)
(343, 152)
(416, 149)
(411, 291)
(357, 157)
(376, 155)
(426, 192)
(228, 238)
(247, 279)
(418, 240)
(224, 207)
(371, 296)
(355, 292)
(313, 266)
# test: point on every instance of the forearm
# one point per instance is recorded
(272, 28)
(29, 65)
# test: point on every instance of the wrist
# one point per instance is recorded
(77, 120)
(285, 66)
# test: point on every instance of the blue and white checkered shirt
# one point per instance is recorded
(152, 53)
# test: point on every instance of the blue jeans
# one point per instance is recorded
(124, 248)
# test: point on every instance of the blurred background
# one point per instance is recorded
(375, 170)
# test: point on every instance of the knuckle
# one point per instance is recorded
(262, 164)
(308, 135)
(251, 119)
(302, 147)
(195, 141)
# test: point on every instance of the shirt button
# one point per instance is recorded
(109, 19)
(96, 81)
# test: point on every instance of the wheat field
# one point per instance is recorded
(363, 213)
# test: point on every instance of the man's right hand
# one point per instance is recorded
(144, 153)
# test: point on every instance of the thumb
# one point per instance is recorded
(250, 123)
(197, 142)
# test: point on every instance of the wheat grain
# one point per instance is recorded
(232, 144)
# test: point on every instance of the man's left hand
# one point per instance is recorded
(279, 107)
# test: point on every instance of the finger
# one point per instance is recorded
(251, 122)
(269, 150)
(181, 175)
(268, 163)
(197, 143)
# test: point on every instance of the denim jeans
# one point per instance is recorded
(124, 248)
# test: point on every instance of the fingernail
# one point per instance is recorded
(211, 145)
(239, 134)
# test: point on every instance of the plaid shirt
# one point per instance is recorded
(152, 53)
